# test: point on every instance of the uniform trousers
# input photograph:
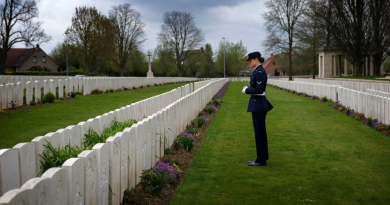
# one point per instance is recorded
(258, 119)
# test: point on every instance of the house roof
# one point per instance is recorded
(268, 62)
(17, 56)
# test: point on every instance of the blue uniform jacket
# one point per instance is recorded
(258, 84)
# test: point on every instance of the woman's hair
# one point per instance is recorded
(261, 59)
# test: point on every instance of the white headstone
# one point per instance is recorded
(17, 197)
(132, 155)
(39, 191)
(74, 135)
(58, 185)
(75, 168)
(83, 129)
(115, 172)
(124, 137)
(94, 124)
(9, 170)
(103, 162)
(90, 177)
(27, 166)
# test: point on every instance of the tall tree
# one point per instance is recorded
(164, 61)
(129, 33)
(208, 66)
(351, 30)
(17, 26)
(380, 15)
(310, 35)
(282, 18)
(235, 56)
(180, 33)
(93, 33)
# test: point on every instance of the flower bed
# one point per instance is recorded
(177, 158)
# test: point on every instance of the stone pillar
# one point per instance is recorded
(345, 67)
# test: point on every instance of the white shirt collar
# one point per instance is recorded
(257, 66)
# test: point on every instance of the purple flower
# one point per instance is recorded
(376, 124)
(351, 113)
(189, 135)
(336, 105)
(162, 168)
(214, 107)
(204, 118)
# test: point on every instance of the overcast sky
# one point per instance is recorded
(233, 19)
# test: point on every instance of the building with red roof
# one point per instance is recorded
(24, 59)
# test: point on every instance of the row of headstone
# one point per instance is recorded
(350, 84)
(240, 79)
(373, 104)
(100, 175)
(375, 92)
(320, 90)
(27, 160)
(11, 94)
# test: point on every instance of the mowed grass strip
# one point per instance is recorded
(25, 125)
(317, 156)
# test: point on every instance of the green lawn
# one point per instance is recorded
(317, 156)
(25, 125)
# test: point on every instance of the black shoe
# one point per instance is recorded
(257, 163)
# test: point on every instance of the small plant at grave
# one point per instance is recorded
(72, 94)
(209, 110)
(341, 108)
(199, 122)
(370, 121)
(141, 86)
(13, 104)
(78, 93)
(171, 161)
(293, 92)
(324, 99)
(358, 116)
(168, 151)
(216, 102)
(185, 141)
(2, 111)
(191, 129)
(107, 91)
(155, 84)
(133, 197)
(375, 124)
(148, 85)
(92, 138)
(96, 92)
(154, 180)
(347, 111)
(38, 100)
(125, 88)
(336, 105)
(48, 98)
(55, 157)
(111, 90)
(134, 88)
